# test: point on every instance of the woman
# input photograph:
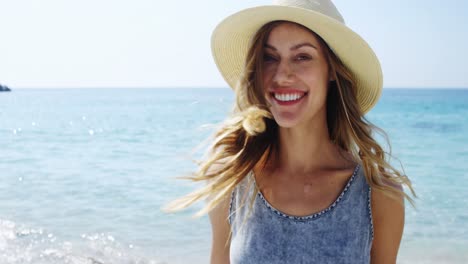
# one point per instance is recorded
(294, 175)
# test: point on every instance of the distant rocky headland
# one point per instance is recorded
(4, 88)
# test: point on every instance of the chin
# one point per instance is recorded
(286, 123)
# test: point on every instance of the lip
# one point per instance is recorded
(288, 103)
(286, 91)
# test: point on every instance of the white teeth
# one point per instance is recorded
(288, 97)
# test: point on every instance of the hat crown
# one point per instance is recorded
(325, 7)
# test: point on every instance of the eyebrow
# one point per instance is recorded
(295, 47)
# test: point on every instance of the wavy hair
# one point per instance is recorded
(250, 133)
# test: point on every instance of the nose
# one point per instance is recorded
(284, 74)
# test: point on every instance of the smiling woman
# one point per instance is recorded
(295, 75)
(294, 175)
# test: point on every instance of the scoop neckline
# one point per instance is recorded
(313, 215)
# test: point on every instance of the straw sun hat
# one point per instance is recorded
(230, 42)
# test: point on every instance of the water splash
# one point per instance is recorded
(23, 245)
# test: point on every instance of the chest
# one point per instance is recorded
(342, 233)
(282, 242)
(302, 195)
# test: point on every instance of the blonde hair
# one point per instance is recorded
(250, 134)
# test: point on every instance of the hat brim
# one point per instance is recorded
(230, 43)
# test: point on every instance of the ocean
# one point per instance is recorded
(84, 173)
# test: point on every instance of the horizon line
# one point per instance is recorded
(210, 87)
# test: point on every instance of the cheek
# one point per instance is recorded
(267, 78)
(267, 73)
(315, 77)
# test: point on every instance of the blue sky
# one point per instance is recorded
(147, 43)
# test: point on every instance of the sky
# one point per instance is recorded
(152, 43)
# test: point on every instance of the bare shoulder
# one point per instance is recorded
(388, 215)
(220, 228)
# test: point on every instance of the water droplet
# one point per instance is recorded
(91, 132)
(83, 117)
(130, 246)
(14, 131)
(33, 123)
(20, 179)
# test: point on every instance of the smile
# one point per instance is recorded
(288, 98)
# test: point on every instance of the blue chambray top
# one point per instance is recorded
(341, 233)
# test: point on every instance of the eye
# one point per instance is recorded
(269, 58)
(303, 57)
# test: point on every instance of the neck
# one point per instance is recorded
(306, 148)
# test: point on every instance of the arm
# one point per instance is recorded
(389, 218)
(220, 230)
(220, 227)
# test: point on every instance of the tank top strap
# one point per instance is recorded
(240, 196)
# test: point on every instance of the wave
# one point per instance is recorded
(20, 244)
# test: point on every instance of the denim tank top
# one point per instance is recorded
(341, 233)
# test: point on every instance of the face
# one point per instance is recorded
(295, 75)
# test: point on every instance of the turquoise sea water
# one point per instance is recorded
(84, 172)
